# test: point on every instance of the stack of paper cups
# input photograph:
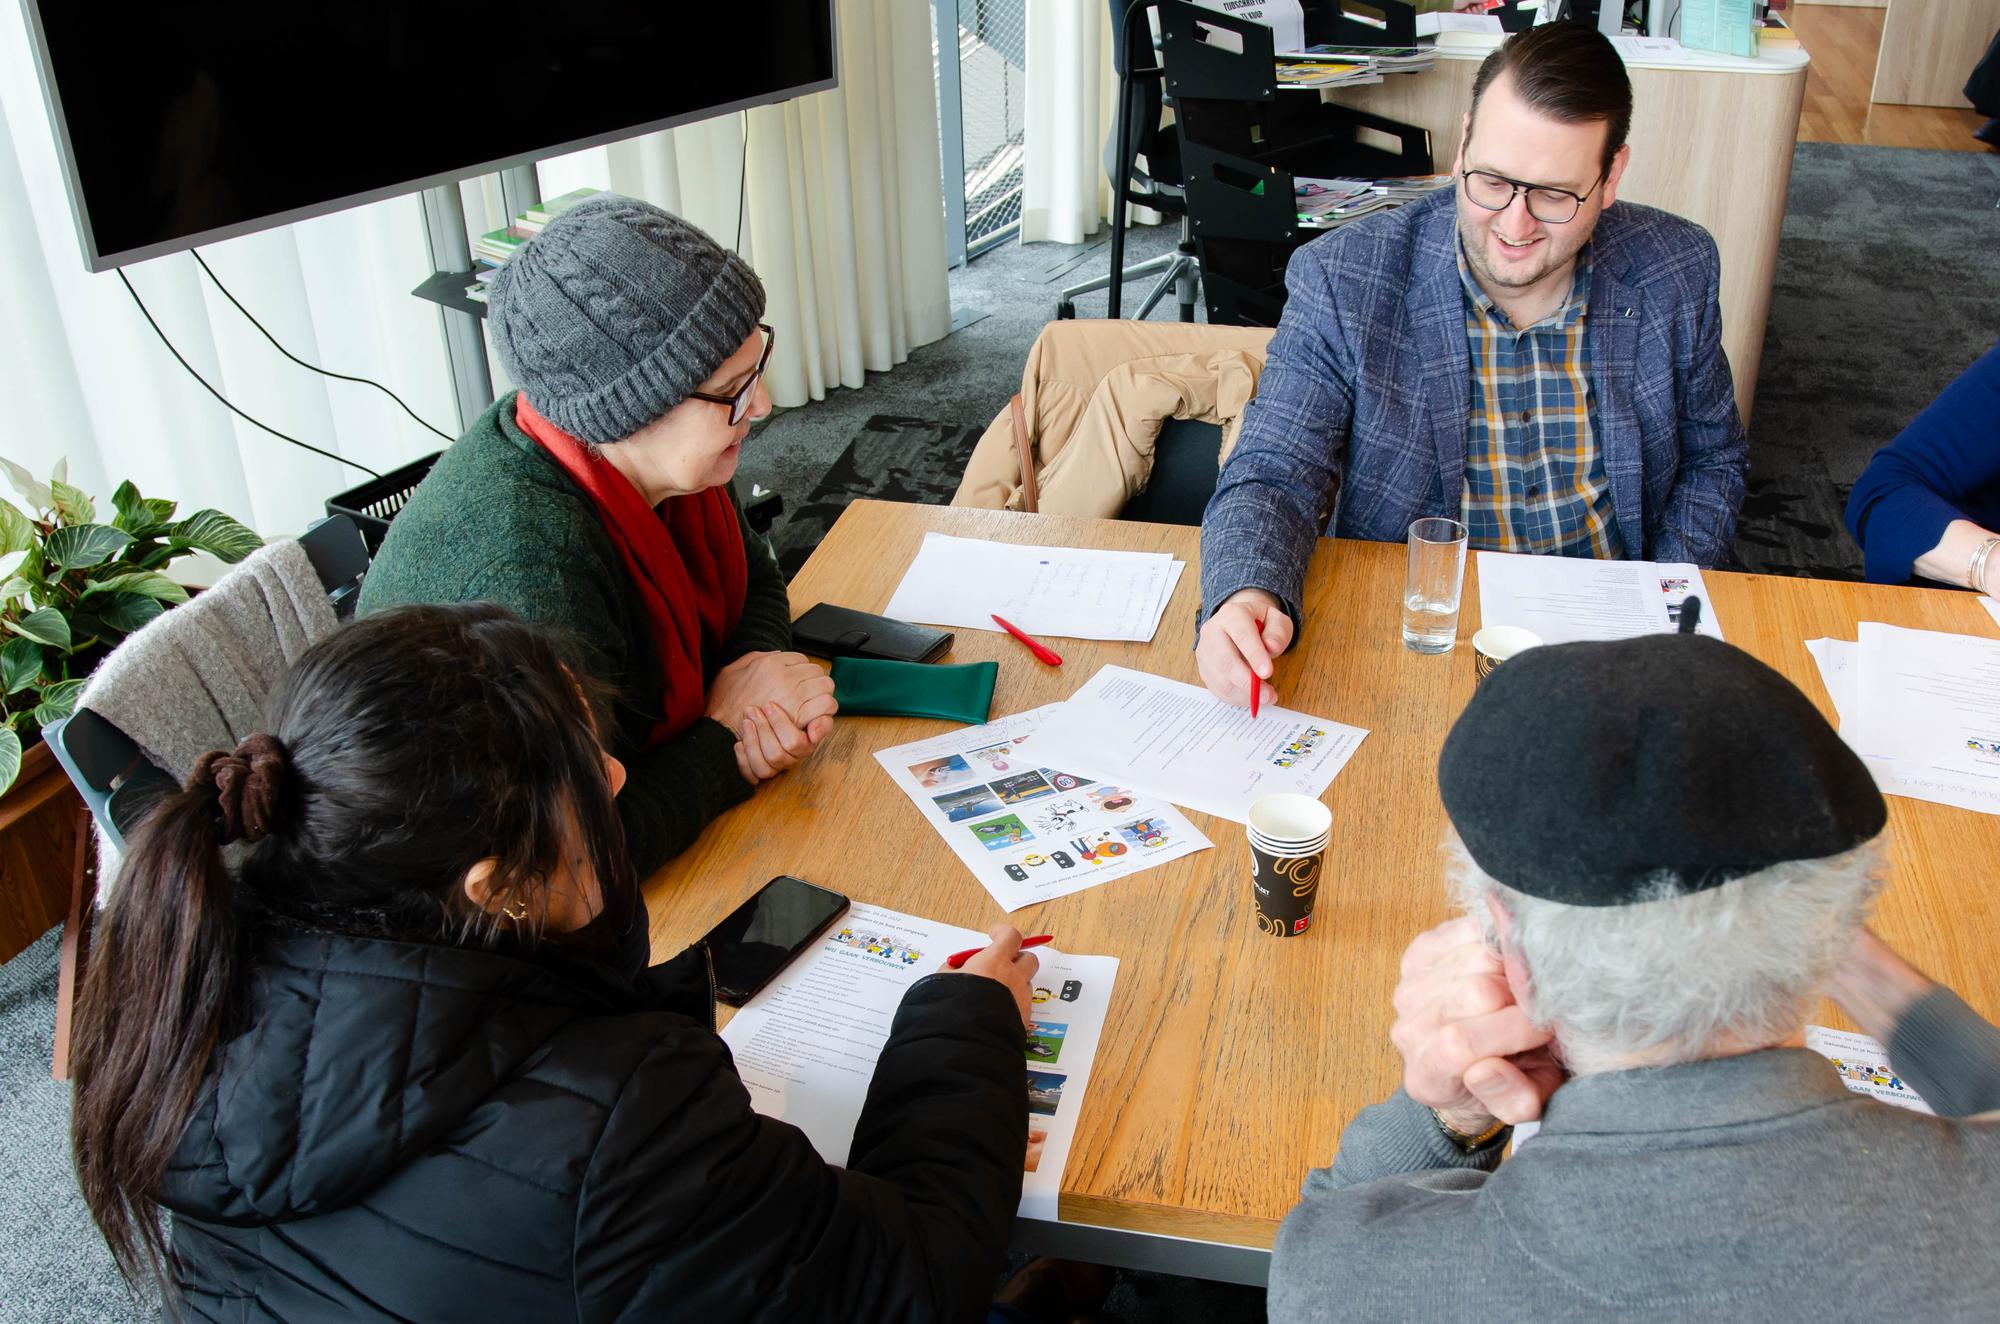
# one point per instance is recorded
(1288, 837)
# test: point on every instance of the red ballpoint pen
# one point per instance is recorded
(1256, 685)
(1042, 652)
(958, 959)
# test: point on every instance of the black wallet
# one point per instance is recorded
(830, 631)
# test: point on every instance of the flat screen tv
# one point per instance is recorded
(181, 124)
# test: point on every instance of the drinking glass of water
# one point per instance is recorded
(1430, 591)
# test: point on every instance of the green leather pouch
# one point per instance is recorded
(870, 687)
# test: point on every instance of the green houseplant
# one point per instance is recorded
(72, 587)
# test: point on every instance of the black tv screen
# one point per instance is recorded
(185, 123)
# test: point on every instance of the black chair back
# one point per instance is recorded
(1139, 80)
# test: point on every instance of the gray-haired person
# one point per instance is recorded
(1666, 857)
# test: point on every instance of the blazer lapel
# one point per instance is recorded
(1437, 323)
(1615, 310)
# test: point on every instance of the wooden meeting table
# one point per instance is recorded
(1231, 1061)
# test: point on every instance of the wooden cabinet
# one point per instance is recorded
(39, 820)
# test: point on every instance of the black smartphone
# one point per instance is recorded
(762, 935)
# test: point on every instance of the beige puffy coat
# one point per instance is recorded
(1094, 395)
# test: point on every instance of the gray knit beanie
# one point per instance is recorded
(611, 315)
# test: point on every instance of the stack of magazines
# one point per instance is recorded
(1349, 66)
(1327, 204)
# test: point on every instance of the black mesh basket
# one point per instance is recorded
(373, 504)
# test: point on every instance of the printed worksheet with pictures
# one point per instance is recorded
(1863, 1066)
(806, 1046)
(1930, 698)
(1566, 599)
(1072, 994)
(1029, 831)
(1839, 669)
(1183, 745)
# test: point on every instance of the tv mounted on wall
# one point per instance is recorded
(183, 124)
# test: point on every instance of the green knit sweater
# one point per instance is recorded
(497, 521)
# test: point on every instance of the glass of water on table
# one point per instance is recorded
(1430, 590)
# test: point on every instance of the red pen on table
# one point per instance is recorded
(1042, 652)
(957, 959)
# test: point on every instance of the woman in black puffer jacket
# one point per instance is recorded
(407, 1062)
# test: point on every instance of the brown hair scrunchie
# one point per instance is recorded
(246, 786)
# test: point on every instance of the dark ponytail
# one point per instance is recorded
(169, 936)
(407, 747)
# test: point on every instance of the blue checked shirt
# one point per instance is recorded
(1534, 474)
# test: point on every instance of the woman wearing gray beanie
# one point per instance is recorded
(595, 498)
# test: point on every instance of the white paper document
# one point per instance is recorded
(1431, 24)
(1863, 1066)
(1077, 592)
(1285, 18)
(1564, 598)
(1929, 698)
(1992, 607)
(807, 1044)
(1840, 670)
(1182, 744)
(1027, 830)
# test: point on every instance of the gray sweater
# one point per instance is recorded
(1743, 1188)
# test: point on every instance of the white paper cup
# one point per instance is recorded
(1312, 847)
(1290, 823)
(1496, 643)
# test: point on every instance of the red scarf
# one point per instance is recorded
(685, 558)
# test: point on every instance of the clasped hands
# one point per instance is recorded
(778, 705)
(1469, 1050)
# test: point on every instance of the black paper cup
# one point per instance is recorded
(1284, 887)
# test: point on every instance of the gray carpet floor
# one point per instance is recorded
(54, 1268)
(1887, 287)
(1885, 290)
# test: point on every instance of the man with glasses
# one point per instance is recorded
(596, 499)
(1517, 354)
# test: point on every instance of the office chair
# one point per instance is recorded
(1139, 132)
(118, 782)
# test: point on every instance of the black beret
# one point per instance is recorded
(1579, 772)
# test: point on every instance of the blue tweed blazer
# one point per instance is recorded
(1359, 424)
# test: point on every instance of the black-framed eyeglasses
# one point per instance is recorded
(1551, 206)
(739, 404)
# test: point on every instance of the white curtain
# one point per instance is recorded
(843, 220)
(1072, 110)
(843, 213)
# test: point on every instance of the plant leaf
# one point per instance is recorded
(81, 546)
(58, 701)
(11, 562)
(20, 665)
(73, 504)
(125, 612)
(61, 472)
(47, 626)
(140, 516)
(35, 492)
(146, 583)
(216, 533)
(16, 532)
(10, 757)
